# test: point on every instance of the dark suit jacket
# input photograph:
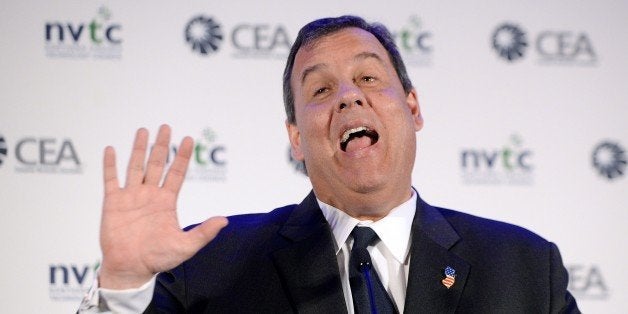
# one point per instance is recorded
(284, 262)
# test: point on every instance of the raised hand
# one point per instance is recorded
(140, 234)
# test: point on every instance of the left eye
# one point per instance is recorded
(368, 79)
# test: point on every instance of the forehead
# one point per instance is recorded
(337, 47)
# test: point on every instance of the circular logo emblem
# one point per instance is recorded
(3, 149)
(509, 41)
(203, 34)
(609, 159)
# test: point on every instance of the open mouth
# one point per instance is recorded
(361, 137)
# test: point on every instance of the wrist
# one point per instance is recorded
(121, 280)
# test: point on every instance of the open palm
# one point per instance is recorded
(140, 234)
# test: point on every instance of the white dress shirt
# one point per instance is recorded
(390, 257)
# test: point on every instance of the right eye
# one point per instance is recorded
(321, 91)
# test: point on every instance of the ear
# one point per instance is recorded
(295, 140)
(413, 103)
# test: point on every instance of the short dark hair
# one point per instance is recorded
(326, 26)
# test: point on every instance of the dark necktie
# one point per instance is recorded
(369, 295)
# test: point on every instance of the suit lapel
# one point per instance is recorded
(307, 264)
(432, 237)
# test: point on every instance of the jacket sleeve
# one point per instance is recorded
(169, 295)
(561, 300)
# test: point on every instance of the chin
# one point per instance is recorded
(367, 184)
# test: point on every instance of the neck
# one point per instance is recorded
(373, 205)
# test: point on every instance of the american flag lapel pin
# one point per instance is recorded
(450, 277)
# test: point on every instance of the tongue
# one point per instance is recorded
(358, 143)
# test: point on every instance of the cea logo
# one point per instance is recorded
(249, 40)
(561, 47)
(509, 41)
(259, 39)
(46, 155)
(3, 149)
(565, 47)
(586, 281)
(203, 34)
(42, 155)
(69, 281)
(609, 158)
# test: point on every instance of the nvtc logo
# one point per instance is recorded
(208, 161)
(509, 41)
(203, 34)
(98, 38)
(69, 282)
(511, 164)
(609, 159)
(3, 149)
(415, 42)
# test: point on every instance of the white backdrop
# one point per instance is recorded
(512, 140)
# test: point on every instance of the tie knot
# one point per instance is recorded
(363, 237)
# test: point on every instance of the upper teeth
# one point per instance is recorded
(347, 134)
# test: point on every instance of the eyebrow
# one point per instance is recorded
(359, 57)
(366, 55)
(311, 69)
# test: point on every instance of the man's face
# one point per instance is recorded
(355, 126)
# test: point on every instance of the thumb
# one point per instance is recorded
(202, 234)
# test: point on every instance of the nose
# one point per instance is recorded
(344, 105)
(349, 96)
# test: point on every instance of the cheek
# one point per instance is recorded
(310, 137)
(387, 97)
(397, 115)
(315, 118)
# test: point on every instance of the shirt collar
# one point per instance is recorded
(393, 230)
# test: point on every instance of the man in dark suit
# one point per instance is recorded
(362, 241)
